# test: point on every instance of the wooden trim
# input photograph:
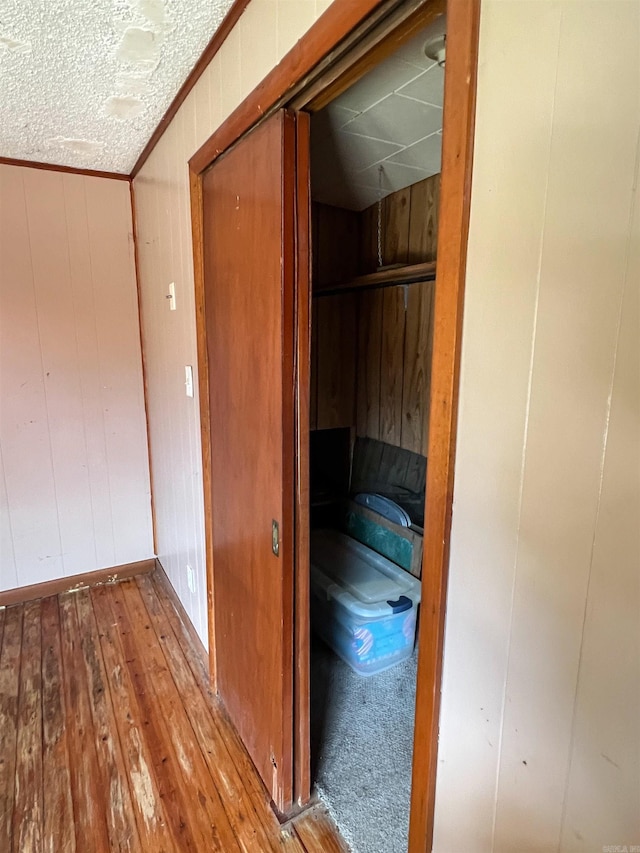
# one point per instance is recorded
(301, 617)
(457, 157)
(161, 577)
(328, 41)
(287, 528)
(313, 52)
(145, 389)
(195, 188)
(74, 582)
(71, 170)
(383, 278)
(228, 23)
(400, 25)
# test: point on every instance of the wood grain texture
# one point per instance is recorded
(337, 339)
(423, 220)
(57, 832)
(369, 362)
(388, 369)
(90, 797)
(392, 364)
(42, 590)
(416, 379)
(70, 170)
(153, 825)
(457, 158)
(117, 710)
(249, 268)
(302, 324)
(313, 389)
(156, 685)
(10, 662)
(396, 224)
(409, 224)
(28, 814)
(121, 819)
(317, 832)
(336, 243)
(239, 771)
(197, 225)
(387, 277)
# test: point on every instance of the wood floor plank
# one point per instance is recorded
(164, 763)
(236, 754)
(89, 797)
(104, 696)
(121, 821)
(58, 834)
(28, 804)
(240, 809)
(154, 683)
(155, 834)
(10, 661)
(318, 832)
(234, 749)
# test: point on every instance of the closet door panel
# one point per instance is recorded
(248, 207)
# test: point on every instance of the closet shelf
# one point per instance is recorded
(387, 277)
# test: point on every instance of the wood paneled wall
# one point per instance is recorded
(371, 351)
(336, 241)
(409, 220)
(540, 715)
(371, 359)
(74, 474)
(260, 39)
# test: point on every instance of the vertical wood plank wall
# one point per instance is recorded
(373, 348)
(262, 36)
(74, 478)
(540, 716)
(513, 181)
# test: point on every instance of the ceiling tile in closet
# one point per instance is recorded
(371, 88)
(397, 119)
(425, 154)
(395, 176)
(344, 153)
(428, 88)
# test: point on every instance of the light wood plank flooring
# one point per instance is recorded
(110, 739)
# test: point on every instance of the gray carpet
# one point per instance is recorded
(362, 739)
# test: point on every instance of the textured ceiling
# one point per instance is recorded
(382, 134)
(85, 82)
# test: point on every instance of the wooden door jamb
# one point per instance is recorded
(342, 28)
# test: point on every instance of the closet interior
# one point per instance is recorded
(375, 182)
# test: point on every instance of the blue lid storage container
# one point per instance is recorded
(362, 605)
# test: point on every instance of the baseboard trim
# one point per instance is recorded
(21, 594)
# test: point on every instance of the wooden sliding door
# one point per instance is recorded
(249, 277)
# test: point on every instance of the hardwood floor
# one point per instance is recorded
(110, 739)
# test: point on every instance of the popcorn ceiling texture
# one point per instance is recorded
(85, 83)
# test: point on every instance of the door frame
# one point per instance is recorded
(349, 39)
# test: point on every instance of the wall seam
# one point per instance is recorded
(80, 383)
(100, 376)
(524, 448)
(44, 384)
(603, 456)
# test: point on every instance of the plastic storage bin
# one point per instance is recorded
(362, 605)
